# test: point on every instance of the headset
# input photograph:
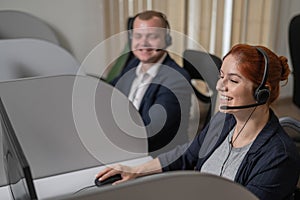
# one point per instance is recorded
(262, 93)
(168, 38)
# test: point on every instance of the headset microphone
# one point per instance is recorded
(262, 93)
(241, 107)
(161, 49)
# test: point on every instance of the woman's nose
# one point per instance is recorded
(221, 85)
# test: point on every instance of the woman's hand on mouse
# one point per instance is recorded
(126, 172)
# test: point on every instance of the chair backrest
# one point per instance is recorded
(203, 66)
(18, 24)
(23, 58)
(172, 185)
(294, 46)
(292, 128)
(123, 60)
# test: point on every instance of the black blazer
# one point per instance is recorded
(270, 169)
(165, 106)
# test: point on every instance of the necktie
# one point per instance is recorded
(139, 91)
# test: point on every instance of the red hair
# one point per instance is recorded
(251, 64)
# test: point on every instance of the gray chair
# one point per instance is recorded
(124, 58)
(292, 127)
(203, 66)
(23, 58)
(18, 24)
(171, 185)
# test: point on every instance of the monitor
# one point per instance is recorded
(16, 165)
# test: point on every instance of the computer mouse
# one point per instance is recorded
(109, 180)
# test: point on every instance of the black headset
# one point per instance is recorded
(168, 38)
(262, 93)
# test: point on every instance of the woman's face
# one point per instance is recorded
(233, 87)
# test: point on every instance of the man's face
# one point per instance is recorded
(148, 39)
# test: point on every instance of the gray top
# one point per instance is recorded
(226, 157)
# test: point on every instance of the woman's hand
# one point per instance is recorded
(126, 172)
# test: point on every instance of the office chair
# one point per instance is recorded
(203, 66)
(176, 185)
(18, 24)
(292, 127)
(294, 44)
(123, 60)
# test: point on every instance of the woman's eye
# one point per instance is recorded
(234, 81)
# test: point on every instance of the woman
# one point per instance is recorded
(244, 142)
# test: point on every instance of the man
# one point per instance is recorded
(156, 85)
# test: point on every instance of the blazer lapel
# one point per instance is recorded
(129, 79)
(150, 92)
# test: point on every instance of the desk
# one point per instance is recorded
(69, 183)
(66, 184)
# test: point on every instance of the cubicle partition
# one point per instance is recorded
(19, 24)
(27, 57)
(69, 128)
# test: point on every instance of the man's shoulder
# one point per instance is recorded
(174, 65)
(134, 62)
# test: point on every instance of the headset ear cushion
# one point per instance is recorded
(129, 29)
(262, 95)
(168, 40)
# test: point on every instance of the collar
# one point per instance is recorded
(266, 133)
(153, 70)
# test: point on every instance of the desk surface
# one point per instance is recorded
(70, 183)
(54, 187)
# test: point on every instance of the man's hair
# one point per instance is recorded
(148, 14)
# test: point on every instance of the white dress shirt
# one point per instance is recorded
(142, 81)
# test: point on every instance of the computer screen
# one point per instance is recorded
(15, 163)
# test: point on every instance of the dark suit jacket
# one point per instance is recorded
(270, 168)
(165, 106)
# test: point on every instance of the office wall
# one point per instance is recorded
(78, 23)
